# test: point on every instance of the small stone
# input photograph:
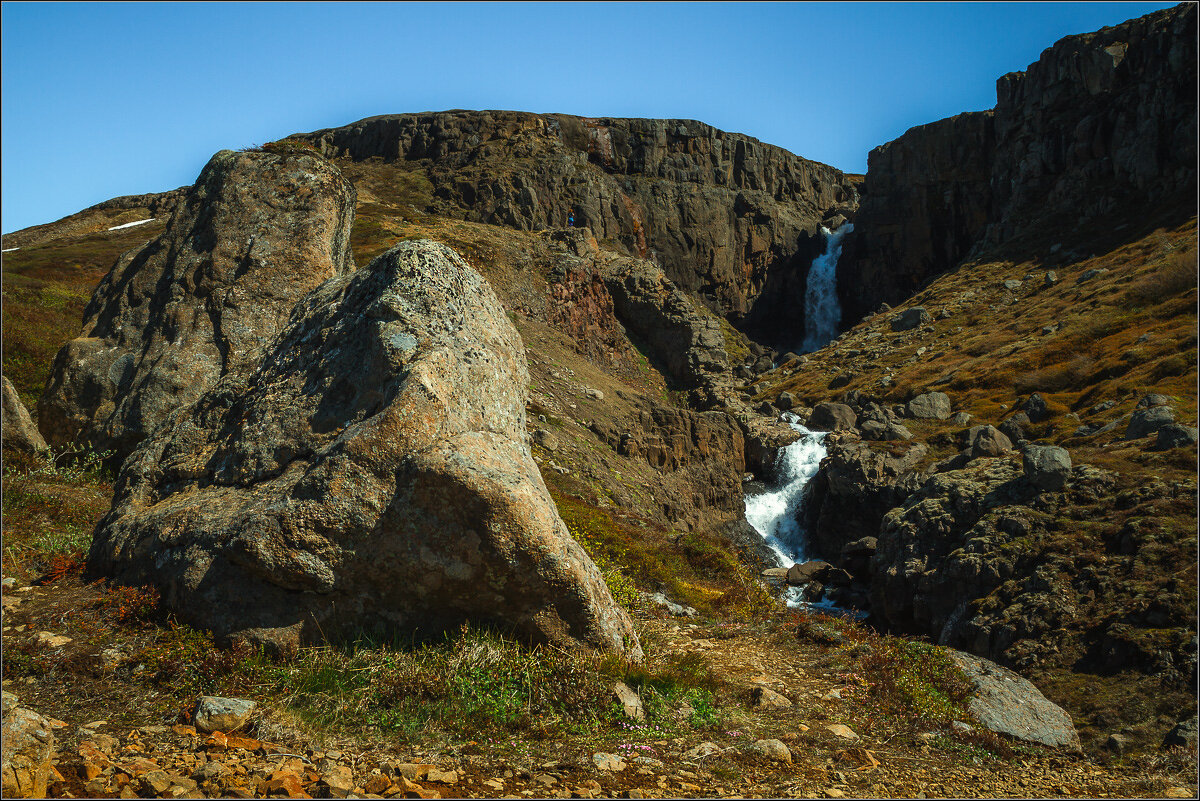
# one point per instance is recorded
(214, 713)
(842, 731)
(705, 749)
(545, 439)
(442, 776)
(765, 698)
(594, 394)
(630, 701)
(772, 749)
(110, 659)
(50, 639)
(413, 771)
(1117, 743)
(1180, 792)
(608, 762)
(27, 753)
(377, 784)
(155, 782)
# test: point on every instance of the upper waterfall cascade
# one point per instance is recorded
(822, 312)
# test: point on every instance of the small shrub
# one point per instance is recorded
(130, 606)
(913, 682)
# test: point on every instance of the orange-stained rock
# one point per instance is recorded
(283, 783)
(27, 747)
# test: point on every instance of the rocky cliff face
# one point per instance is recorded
(1102, 122)
(722, 213)
(927, 199)
(253, 236)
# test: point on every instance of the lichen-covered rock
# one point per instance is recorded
(1174, 435)
(1047, 466)
(370, 472)
(1005, 703)
(255, 234)
(215, 713)
(986, 441)
(19, 432)
(929, 406)
(910, 319)
(28, 746)
(829, 416)
(1145, 422)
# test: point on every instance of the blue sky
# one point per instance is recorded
(107, 99)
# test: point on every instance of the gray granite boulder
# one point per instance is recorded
(255, 234)
(1147, 421)
(370, 473)
(1003, 702)
(829, 416)
(929, 406)
(1047, 466)
(909, 319)
(1175, 435)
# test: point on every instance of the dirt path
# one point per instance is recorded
(118, 737)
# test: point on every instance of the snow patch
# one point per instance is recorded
(130, 225)
(9, 250)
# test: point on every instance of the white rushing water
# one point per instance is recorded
(775, 514)
(822, 312)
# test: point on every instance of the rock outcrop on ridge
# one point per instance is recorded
(252, 237)
(369, 472)
(1102, 121)
(19, 431)
(727, 217)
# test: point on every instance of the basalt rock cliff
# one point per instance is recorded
(1103, 123)
(732, 219)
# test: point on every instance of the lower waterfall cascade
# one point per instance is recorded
(775, 514)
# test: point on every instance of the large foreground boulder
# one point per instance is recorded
(255, 234)
(370, 473)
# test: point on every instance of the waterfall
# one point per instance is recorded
(822, 313)
(775, 514)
